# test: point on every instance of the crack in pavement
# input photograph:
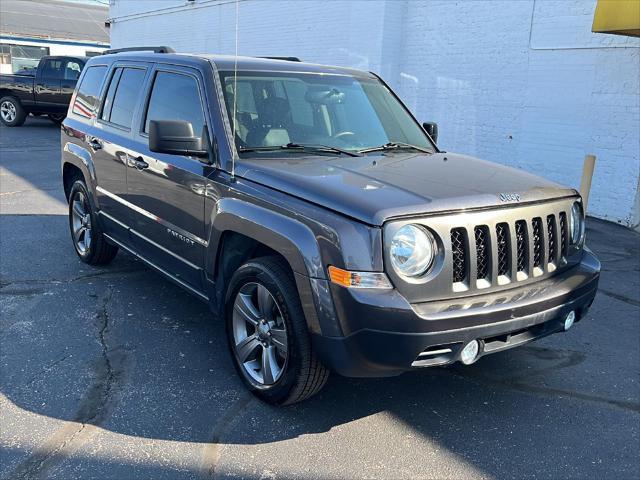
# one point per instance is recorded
(55, 281)
(92, 411)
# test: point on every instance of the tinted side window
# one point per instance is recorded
(107, 103)
(175, 97)
(53, 68)
(89, 91)
(128, 85)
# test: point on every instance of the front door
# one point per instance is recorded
(167, 192)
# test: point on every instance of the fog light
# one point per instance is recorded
(569, 319)
(470, 352)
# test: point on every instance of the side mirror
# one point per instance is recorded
(175, 137)
(432, 130)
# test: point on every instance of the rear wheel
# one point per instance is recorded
(268, 335)
(11, 112)
(89, 242)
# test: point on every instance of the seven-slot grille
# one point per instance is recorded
(508, 252)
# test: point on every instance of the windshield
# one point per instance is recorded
(275, 109)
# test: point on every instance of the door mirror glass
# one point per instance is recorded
(432, 130)
(176, 137)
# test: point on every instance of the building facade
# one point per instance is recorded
(31, 29)
(522, 83)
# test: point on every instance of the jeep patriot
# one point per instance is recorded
(314, 214)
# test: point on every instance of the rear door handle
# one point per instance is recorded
(139, 163)
(95, 144)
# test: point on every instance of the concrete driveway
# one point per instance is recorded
(116, 373)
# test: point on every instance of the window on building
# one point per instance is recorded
(168, 87)
(22, 58)
(5, 54)
(122, 96)
(89, 91)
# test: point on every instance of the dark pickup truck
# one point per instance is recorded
(317, 218)
(48, 92)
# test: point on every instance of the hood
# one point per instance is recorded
(376, 188)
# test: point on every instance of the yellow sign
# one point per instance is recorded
(621, 17)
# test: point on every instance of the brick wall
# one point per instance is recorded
(522, 83)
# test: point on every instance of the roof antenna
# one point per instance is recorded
(234, 152)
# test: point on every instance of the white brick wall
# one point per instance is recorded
(523, 83)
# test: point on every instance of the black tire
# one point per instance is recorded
(96, 250)
(11, 112)
(57, 118)
(302, 374)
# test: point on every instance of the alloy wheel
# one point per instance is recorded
(8, 111)
(81, 223)
(259, 334)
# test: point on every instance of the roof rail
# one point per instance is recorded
(140, 49)
(288, 59)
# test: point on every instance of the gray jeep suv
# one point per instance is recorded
(316, 216)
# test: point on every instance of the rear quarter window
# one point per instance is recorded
(122, 96)
(89, 91)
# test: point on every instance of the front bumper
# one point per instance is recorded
(385, 335)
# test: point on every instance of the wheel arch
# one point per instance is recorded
(241, 231)
(76, 158)
(4, 92)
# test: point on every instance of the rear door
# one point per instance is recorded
(167, 192)
(111, 143)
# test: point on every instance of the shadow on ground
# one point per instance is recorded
(115, 372)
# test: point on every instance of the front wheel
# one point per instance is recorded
(268, 335)
(11, 112)
(89, 242)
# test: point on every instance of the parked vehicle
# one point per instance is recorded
(317, 217)
(45, 91)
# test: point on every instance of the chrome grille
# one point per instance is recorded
(502, 238)
(459, 257)
(482, 252)
(502, 252)
(537, 242)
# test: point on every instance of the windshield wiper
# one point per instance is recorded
(394, 146)
(299, 146)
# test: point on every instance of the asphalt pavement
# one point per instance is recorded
(116, 373)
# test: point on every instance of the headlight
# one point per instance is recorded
(576, 224)
(412, 250)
